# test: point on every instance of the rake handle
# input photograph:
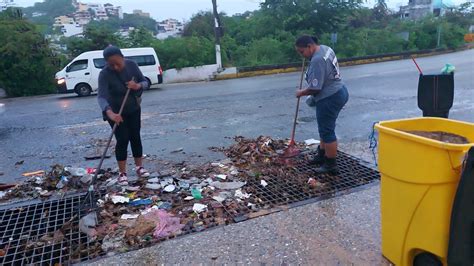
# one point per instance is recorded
(292, 141)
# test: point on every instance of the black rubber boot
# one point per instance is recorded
(319, 158)
(329, 167)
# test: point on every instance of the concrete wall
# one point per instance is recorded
(189, 74)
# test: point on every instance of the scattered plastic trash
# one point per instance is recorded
(86, 179)
(153, 186)
(170, 188)
(194, 180)
(196, 193)
(166, 224)
(76, 171)
(183, 184)
(133, 189)
(241, 195)
(39, 180)
(119, 199)
(188, 198)
(110, 182)
(2, 194)
(165, 205)
(153, 180)
(129, 216)
(222, 177)
(149, 210)
(228, 185)
(139, 202)
(62, 183)
(100, 202)
(263, 183)
(90, 171)
(448, 69)
(222, 196)
(198, 207)
(41, 172)
(310, 142)
(313, 183)
(87, 226)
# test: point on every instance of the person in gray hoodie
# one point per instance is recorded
(115, 79)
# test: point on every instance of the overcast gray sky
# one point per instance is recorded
(184, 9)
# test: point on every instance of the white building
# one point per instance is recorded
(4, 4)
(82, 17)
(101, 15)
(141, 13)
(115, 11)
(170, 25)
(169, 28)
(70, 30)
(38, 14)
(417, 9)
(63, 20)
(125, 32)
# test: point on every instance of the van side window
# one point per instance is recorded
(77, 65)
(99, 63)
(143, 60)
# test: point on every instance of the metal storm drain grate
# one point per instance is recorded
(292, 189)
(42, 233)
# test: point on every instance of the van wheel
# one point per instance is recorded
(149, 82)
(83, 90)
(426, 259)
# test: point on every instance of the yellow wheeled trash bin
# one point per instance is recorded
(419, 180)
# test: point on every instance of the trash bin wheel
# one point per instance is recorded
(426, 259)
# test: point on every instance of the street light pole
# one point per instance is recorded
(218, 33)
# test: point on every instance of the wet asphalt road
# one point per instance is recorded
(42, 131)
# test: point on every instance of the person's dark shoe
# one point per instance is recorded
(319, 158)
(329, 167)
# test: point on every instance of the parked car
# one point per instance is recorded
(81, 75)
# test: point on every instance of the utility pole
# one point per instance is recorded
(218, 33)
(439, 36)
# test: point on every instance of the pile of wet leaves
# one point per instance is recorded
(177, 200)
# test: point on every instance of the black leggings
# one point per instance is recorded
(128, 131)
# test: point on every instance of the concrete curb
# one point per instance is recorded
(245, 72)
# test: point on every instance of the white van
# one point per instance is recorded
(82, 74)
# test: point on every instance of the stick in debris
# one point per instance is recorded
(90, 192)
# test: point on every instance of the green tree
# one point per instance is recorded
(200, 25)
(50, 10)
(96, 37)
(185, 52)
(309, 15)
(140, 37)
(27, 64)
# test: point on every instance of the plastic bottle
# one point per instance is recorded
(62, 183)
(196, 193)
